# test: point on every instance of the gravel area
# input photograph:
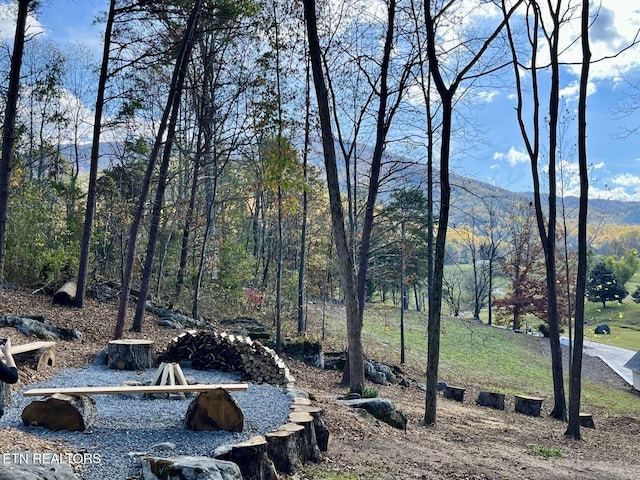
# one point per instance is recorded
(129, 427)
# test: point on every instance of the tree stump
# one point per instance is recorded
(251, 456)
(131, 354)
(65, 295)
(37, 359)
(283, 447)
(531, 406)
(491, 400)
(454, 393)
(214, 410)
(309, 450)
(586, 420)
(75, 413)
(323, 435)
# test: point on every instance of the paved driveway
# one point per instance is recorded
(615, 357)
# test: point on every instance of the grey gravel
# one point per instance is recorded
(128, 427)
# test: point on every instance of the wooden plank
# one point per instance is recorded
(28, 347)
(232, 387)
(172, 378)
(131, 341)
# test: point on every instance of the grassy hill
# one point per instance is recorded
(472, 354)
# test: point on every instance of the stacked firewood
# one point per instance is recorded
(229, 353)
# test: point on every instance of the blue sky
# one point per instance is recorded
(500, 159)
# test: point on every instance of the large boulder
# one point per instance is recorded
(381, 408)
(39, 326)
(44, 467)
(189, 468)
(378, 373)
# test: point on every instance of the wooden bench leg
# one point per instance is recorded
(75, 413)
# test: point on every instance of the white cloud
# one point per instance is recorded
(514, 156)
(627, 180)
(486, 96)
(8, 13)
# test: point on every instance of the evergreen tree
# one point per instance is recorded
(603, 286)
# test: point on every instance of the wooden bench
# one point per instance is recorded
(73, 408)
(110, 390)
(35, 354)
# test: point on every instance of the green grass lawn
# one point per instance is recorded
(474, 354)
(623, 319)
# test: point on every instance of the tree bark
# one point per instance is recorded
(189, 38)
(66, 294)
(251, 456)
(575, 375)
(214, 410)
(75, 413)
(131, 354)
(354, 322)
(177, 80)
(85, 246)
(9, 129)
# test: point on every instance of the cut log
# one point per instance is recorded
(283, 448)
(531, 406)
(491, 400)
(131, 354)
(586, 420)
(37, 359)
(214, 410)
(301, 401)
(75, 413)
(454, 393)
(323, 436)
(251, 456)
(309, 452)
(65, 295)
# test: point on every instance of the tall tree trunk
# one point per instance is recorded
(447, 95)
(9, 129)
(279, 266)
(302, 314)
(164, 169)
(177, 80)
(548, 234)
(186, 231)
(532, 141)
(354, 322)
(382, 126)
(575, 375)
(85, 246)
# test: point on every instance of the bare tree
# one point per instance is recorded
(85, 245)
(9, 128)
(546, 218)
(172, 103)
(447, 91)
(575, 375)
(354, 324)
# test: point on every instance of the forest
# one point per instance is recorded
(229, 157)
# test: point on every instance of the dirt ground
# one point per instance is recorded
(468, 441)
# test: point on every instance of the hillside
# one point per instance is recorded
(468, 442)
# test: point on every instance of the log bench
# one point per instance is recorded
(73, 408)
(35, 354)
(110, 390)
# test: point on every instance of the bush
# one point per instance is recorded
(544, 330)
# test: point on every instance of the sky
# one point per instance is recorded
(497, 155)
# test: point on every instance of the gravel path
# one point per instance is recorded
(128, 427)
